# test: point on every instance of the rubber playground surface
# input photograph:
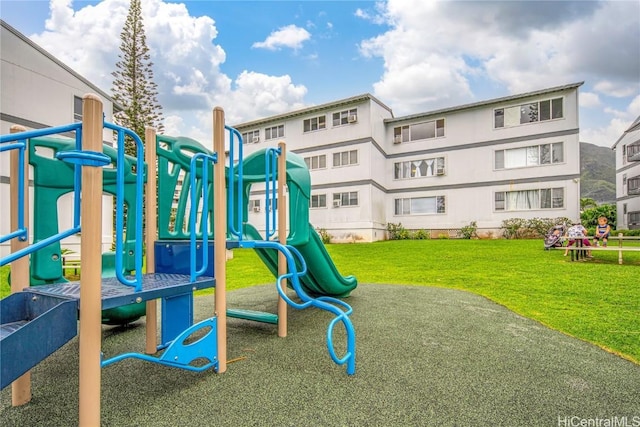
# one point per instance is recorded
(425, 357)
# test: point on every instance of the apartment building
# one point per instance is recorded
(36, 91)
(627, 149)
(515, 156)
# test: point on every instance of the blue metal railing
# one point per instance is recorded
(21, 232)
(235, 229)
(20, 143)
(122, 132)
(270, 173)
(339, 308)
(204, 217)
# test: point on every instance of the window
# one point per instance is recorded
(420, 205)
(254, 205)
(274, 132)
(633, 186)
(633, 220)
(349, 198)
(415, 132)
(345, 158)
(271, 204)
(77, 109)
(632, 150)
(315, 123)
(549, 109)
(318, 201)
(251, 137)
(345, 117)
(546, 198)
(316, 162)
(418, 168)
(534, 155)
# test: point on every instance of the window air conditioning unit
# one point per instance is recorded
(256, 209)
(353, 118)
(255, 139)
(397, 139)
(440, 171)
(336, 203)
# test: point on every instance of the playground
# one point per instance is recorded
(286, 351)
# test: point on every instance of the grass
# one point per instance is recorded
(597, 300)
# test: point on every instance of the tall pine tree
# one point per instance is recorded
(133, 85)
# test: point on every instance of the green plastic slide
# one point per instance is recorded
(322, 276)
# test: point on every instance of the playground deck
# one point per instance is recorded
(115, 294)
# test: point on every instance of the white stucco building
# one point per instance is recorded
(515, 156)
(627, 149)
(36, 91)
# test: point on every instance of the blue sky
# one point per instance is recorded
(258, 58)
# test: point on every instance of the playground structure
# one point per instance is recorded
(188, 254)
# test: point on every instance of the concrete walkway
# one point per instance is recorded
(425, 357)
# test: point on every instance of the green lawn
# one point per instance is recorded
(596, 300)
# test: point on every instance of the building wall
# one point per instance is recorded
(468, 181)
(37, 90)
(627, 178)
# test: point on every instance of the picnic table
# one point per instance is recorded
(579, 251)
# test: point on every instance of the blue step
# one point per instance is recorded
(32, 327)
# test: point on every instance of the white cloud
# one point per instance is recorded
(519, 46)
(187, 62)
(290, 36)
(259, 95)
(618, 90)
(589, 99)
(609, 133)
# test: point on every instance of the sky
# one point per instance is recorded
(260, 58)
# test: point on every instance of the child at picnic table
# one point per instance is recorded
(575, 232)
(603, 229)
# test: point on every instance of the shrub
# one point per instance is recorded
(513, 227)
(324, 236)
(421, 234)
(397, 231)
(469, 231)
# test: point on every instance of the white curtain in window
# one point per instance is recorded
(423, 205)
(515, 158)
(522, 200)
(430, 165)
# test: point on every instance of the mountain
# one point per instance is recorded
(597, 173)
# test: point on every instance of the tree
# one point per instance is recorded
(133, 85)
(587, 203)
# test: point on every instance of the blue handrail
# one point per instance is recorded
(204, 217)
(330, 304)
(270, 168)
(235, 229)
(19, 140)
(21, 232)
(122, 132)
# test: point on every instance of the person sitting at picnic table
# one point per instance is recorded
(575, 232)
(603, 229)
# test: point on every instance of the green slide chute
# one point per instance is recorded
(322, 276)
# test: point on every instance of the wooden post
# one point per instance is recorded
(220, 236)
(20, 388)
(91, 266)
(282, 237)
(620, 248)
(151, 222)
